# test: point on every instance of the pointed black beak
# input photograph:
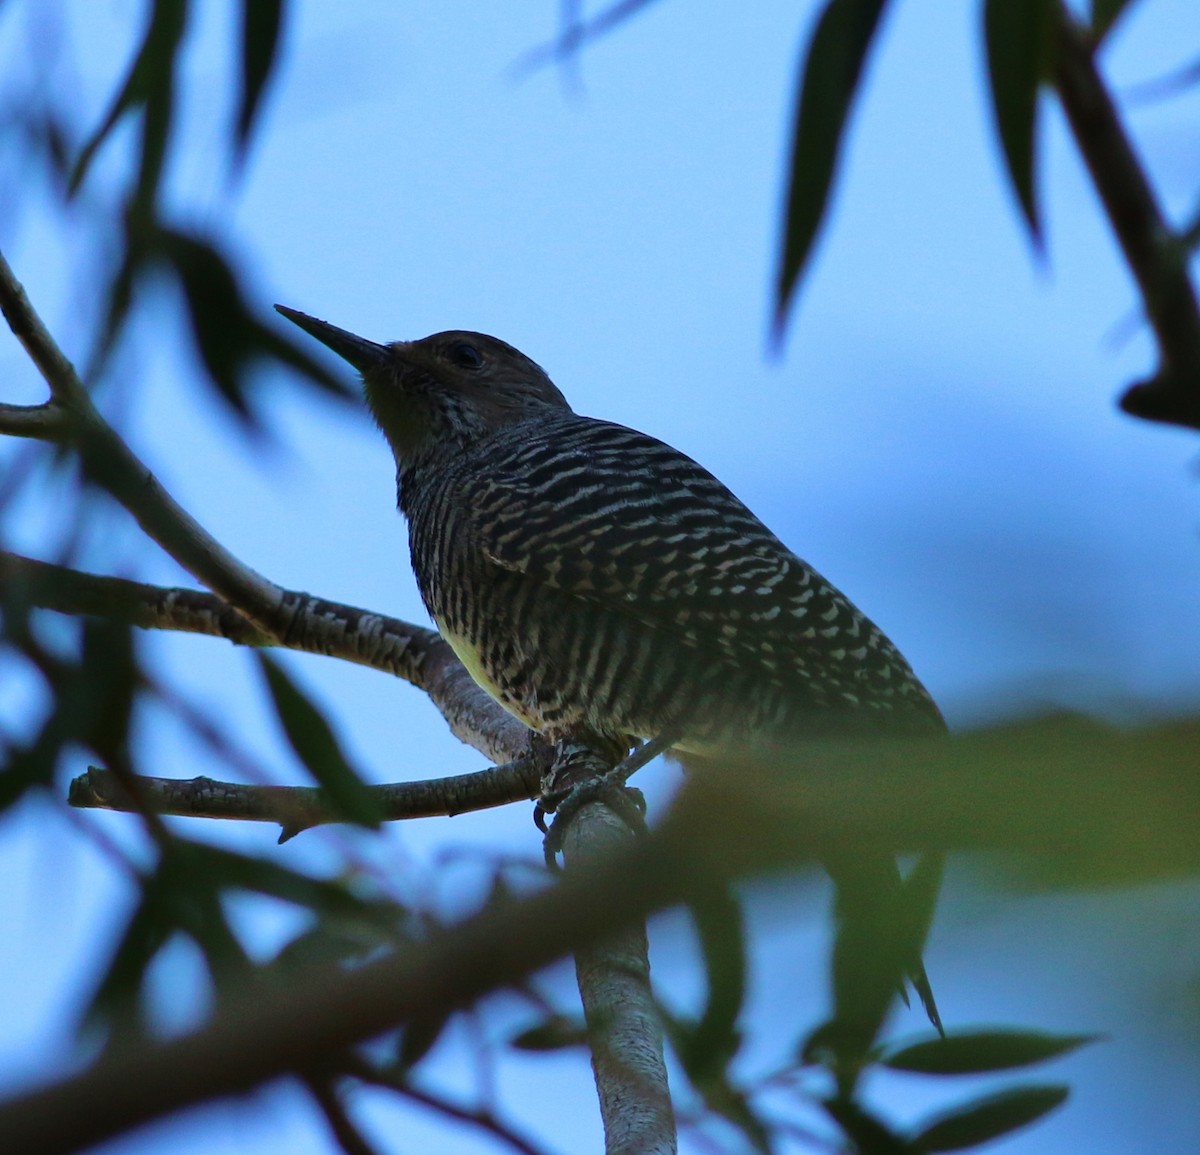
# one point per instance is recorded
(364, 355)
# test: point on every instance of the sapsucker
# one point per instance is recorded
(600, 584)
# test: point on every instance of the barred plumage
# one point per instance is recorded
(602, 586)
(597, 581)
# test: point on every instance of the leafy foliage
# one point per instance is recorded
(314, 742)
(830, 77)
(1019, 43)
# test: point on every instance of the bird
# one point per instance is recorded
(604, 587)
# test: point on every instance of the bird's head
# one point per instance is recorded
(449, 388)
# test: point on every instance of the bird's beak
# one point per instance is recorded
(364, 355)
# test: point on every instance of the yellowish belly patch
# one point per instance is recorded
(469, 656)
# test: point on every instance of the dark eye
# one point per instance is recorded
(465, 355)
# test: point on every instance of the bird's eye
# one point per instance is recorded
(465, 355)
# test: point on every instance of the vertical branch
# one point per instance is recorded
(624, 1026)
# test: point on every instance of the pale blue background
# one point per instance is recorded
(938, 436)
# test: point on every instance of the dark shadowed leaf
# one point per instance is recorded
(713, 1040)
(864, 1130)
(149, 85)
(1019, 37)
(112, 678)
(229, 338)
(881, 926)
(313, 740)
(974, 1052)
(261, 23)
(417, 1039)
(552, 1034)
(1105, 13)
(988, 1118)
(829, 79)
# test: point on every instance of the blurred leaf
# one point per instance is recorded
(974, 1052)
(552, 1034)
(1020, 37)
(418, 1037)
(713, 1040)
(313, 740)
(1105, 13)
(117, 997)
(869, 1135)
(261, 23)
(882, 922)
(228, 337)
(830, 77)
(324, 897)
(1177, 81)
(149, 85)
(110, 671)
(919, 895)
(988, 1118)
(329, 944)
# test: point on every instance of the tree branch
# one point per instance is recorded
(415, 654)
(111, 464)
(625, 1030)
(1107, 803)
(1156, 256)
(477, 1117)
(296, 808)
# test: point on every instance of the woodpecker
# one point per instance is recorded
(601, 585)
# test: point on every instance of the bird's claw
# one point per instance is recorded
(627, 802)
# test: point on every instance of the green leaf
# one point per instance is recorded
(713, 1040)
(881, 926)
(1019, 37)
(988, 1118)
(1105, 13)
(869, 1135)
(261, 23)
(974, 1052)
(830, 77)
(313, 740)
(228, 337)
(149, 85)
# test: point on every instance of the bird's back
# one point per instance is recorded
(592, 576)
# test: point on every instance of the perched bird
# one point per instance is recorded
(603, 586)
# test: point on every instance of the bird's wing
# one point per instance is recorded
(622, 520)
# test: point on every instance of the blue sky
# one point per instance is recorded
(938, 436)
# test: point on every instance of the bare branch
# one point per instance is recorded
(110, 463)
(46, 422)
(576, 32)
(296, 808)
(407, 651)
(1157, 258)
(58, 372)
(625, 1030)
(1060, 791)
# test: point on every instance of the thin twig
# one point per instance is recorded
(111, 464)
(1156, 257)
(1106, 802)
(479, 1117)
(415, 654)
(297, 808)
(348, 1137)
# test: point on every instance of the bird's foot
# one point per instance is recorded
(581, 774)
(627, 802)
